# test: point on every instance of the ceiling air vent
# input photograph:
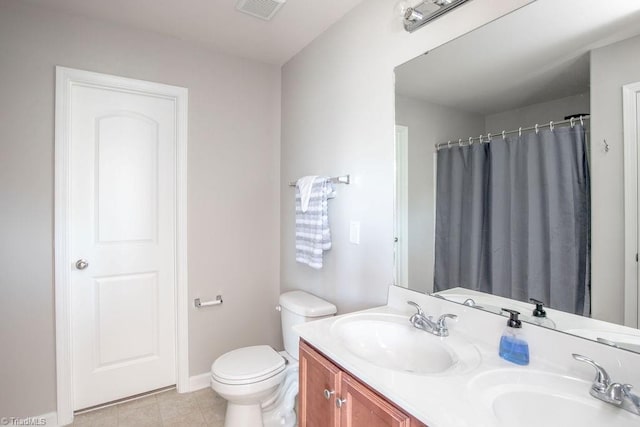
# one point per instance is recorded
(263, 9)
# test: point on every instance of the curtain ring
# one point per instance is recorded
(480, 139)
(449, 144)
(520, 131)
(470, 141)
(581, 121)
(489, 136)
(504, 135)
(572, 122)
(551, 125)
(460, 142)
(536, 128)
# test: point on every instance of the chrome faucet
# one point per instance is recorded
(469, 302)
(614, 393)
(421, 321)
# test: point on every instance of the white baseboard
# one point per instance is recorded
(51, 419)
(198, 382)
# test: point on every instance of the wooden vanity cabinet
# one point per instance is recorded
(319, 384)
(330, 397)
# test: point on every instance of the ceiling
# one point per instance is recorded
(535, 54)
(217, 24)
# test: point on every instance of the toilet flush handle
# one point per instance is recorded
(278, 307)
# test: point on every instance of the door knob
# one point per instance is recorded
(81, 264)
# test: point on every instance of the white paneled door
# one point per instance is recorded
(122, 244)
(631, 120)
(402, 206)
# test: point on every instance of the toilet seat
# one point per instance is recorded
(247, 365)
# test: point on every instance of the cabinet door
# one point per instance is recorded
(319, 387)
(361, 407)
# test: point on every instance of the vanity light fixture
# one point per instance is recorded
(416, 16)
(413, 15)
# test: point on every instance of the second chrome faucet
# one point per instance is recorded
(603, 388)
(426, 323)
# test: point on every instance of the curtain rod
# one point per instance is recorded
(485, 139)
(344, 179)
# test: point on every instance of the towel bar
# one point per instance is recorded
(344, 179)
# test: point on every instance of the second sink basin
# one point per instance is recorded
(389, 341)
(529, 398)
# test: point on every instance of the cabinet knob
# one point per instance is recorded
(327, 394)
(340, 402)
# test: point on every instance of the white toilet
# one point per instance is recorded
(259, 383)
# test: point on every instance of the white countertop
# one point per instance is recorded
(446, 400)
(438, 400)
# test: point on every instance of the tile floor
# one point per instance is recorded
(200, 408)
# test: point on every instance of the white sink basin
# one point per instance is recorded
(389, 341)
(529, 398)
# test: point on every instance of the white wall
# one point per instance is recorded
(541, 113)
(233, 220)
(337, 118)
(428, 124)
(611, 68)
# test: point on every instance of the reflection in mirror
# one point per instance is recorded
(494, 170)
(604, 332)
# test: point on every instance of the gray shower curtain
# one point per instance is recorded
(513, 218)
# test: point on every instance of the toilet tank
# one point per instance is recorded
(299, 307)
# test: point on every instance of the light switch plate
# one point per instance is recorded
(354, 232)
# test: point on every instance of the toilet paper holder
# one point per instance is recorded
(198, 304)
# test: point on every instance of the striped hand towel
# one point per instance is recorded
(312, 226)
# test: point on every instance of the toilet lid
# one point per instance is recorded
(247, 365)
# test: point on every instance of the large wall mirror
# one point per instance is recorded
(498, 138)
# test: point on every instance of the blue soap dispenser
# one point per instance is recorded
(513, 346)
